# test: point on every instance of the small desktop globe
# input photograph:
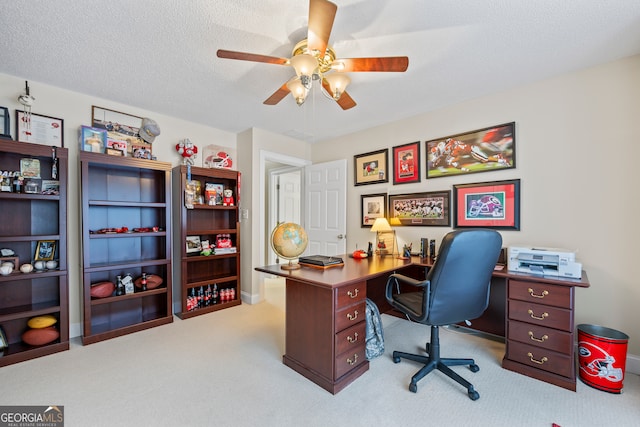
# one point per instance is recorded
(289, 240)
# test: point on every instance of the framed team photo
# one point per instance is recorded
(428, 209)
(371, 168)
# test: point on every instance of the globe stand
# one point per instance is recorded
(290, 266)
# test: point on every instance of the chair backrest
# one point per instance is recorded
(461, 275)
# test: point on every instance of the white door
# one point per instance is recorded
(285, 188)
(326, 208)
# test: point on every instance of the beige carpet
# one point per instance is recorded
(225, 369)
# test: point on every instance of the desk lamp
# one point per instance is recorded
(385, 235)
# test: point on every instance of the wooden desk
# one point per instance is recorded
(325, 319)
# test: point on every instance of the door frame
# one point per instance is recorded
(272, 214)
(270, 156)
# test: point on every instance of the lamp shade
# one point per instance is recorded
(298, 91)
(381, 225)
(338, 83)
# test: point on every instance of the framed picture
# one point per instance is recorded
(5, 130)
(371, 168)
(481, 150)
(213, 193)
(50, 187)
(406, 163)
(372, 206)
(429, 209)
(488, 204)
(193, 244)
(38, 129)
(121, 128)
(93, 139)
(30, 168)
(45, 250)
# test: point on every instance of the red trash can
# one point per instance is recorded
(602, 356)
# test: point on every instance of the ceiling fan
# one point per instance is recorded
(313, 59)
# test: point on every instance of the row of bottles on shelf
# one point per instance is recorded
(205, 297)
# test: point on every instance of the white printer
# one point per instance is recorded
(544, 261)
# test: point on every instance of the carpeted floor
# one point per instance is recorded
(225, 369)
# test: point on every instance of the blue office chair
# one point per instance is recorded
(456, 289)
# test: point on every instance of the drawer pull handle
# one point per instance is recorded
(545, 314)
(543, 339)
(353, 362)
(354, 339)
(353, 294)
(542, 295)
(354, 317)
(539, 362)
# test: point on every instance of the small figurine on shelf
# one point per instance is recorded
(187, 150)
(227, 200)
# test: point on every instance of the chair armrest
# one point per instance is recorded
(402, 279)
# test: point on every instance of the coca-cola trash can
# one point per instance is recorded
(602, 356)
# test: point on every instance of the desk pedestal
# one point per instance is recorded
(325, 333)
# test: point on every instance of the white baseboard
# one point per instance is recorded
(633, 364)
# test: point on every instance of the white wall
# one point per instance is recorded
(576, 151)
(75, 109)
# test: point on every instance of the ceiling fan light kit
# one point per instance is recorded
(312, 59)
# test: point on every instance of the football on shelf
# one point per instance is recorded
(40, 322)
(40, 336)
(153, 281)
(102, 289)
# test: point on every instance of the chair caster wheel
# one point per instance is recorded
(474, 368)
(396, 358)
(413, 387)
(474, 395)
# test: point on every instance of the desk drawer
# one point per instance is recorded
(350, 359)
(351, 338)
(351, 294)
(539, 336)
(541, 293)
(350, 316)
(543, 315)
(540, 358)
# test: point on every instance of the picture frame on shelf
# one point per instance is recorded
(39, 129)
(30, 168)
(371, 168)
(45, 250)
(193, 244)
(420, 209)
(372, 206)
(406, 163)
(5, 122)
(121, 127)
(50, 187)
(93, 139)
(213, 193)
(494, 204)
(12, 259)
(483, 150)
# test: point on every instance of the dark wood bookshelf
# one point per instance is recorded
(28, 218)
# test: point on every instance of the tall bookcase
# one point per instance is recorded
(126, 229)
(206, 222)
(28, 218)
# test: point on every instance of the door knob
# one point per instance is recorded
(341, 236)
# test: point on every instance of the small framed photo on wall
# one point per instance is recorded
(406, 163)
(372, 206)
(4, 122)
(371, 168)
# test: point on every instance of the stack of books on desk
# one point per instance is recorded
(320, 261)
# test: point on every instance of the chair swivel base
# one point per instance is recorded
(434, 361)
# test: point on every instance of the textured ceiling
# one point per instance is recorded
(159, 55)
